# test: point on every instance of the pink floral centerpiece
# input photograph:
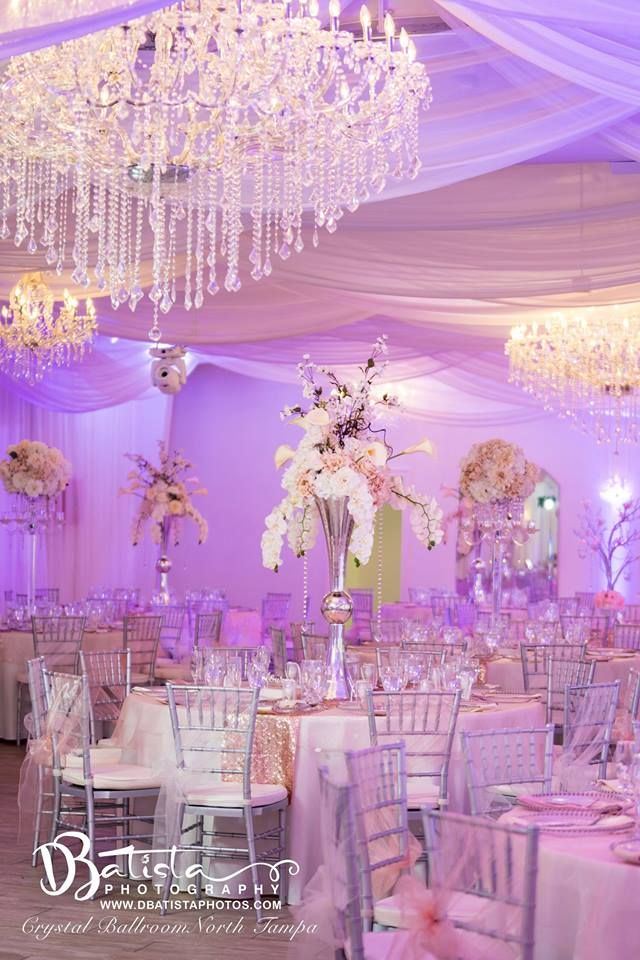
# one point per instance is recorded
(608, 600)
(494, 471)
(165, 494)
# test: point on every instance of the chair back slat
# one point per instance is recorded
(58, 640)
(141, 637)
(499, 759)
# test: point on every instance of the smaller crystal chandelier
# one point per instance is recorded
(34, 336)
(583, 367)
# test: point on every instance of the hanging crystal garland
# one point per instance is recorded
(223, 126)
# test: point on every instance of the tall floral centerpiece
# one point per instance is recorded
(165, 495)
(35, 474)
(340, 475)
(495, 480)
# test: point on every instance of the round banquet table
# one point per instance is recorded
(587, 899)
(507, 670)
(16, 647)
(285, 751)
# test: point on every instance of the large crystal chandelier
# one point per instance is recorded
(35, 336)
(584, 367)
(222, 125)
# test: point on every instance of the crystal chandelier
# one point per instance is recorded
(213, 131)
(34, 336)
(584, 367)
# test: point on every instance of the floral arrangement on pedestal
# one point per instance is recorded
(344, 453)
(495, 471)
(165, 494)
(33, 469)
(616, 546)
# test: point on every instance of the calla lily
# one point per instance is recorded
(317, 417)
(283, 454)
(378, 453)
(425, 446)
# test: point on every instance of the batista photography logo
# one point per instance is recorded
(160, 881)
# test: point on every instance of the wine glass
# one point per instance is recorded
(623, 758)
(352, 667)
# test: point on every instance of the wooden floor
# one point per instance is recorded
(21, 900)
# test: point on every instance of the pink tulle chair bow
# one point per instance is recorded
(424, 915)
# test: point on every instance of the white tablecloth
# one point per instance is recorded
(508, 671)
(587, 900)
(145, 726)
(16, 647)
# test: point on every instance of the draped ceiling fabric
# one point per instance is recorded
(446, 263)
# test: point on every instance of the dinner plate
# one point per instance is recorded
(567, 822)
(591, 801)
(627, 850)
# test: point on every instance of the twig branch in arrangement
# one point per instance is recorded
(165, 494)
(344, 453)
(616, 550)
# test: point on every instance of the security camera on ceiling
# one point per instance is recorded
(168, 369)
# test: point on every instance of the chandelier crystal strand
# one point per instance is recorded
(222, 127)
(34, 336)
(584, 367)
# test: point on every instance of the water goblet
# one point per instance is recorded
(256, 674)
(292, 671)
(233, 676)
(198, 663)
(623, 758)
(362, 689)
(352, 668)
(392, 681)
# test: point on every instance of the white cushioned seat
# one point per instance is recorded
(115, 776)
(422, 792)
(218, 794)
(389, 913)
(99, 755)
(107, 743)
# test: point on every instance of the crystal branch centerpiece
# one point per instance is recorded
(166, 502)
(495, 480)
(340, 474)
(35, 475)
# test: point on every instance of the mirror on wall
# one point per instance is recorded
(530, 572)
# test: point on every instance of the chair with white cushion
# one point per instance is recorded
(278, 650)
(535, 661)
(503, 764)
(213, 730)
(589, 715)
(58, 640)
(108, 673)
(626, 636)
(85, 779)
(562, 674)
(425, 722)
(482, 874)
(173, 617)
(207, 629)
(379, 780)
(141, 637)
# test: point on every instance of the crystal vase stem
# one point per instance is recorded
(337, 607)
(497, 551)
(163, 565)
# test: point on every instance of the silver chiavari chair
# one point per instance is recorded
(297, 630)
(207, 629)
(535, 661)
(48, 594)
(275, 611)
(38, 693)
(315, 647)
(173, 618)
(626, 636)
(589, 716)
(213, 730)
(425, 722)
(562, 674)
(492, 869)
(379, 780)
(631, 694)
(108, 674)
(104, 791)
(631, 613)
(278, 650)
(142, 637)
(362, 611)
(502, 764)
(421, 596)
(58, 640)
